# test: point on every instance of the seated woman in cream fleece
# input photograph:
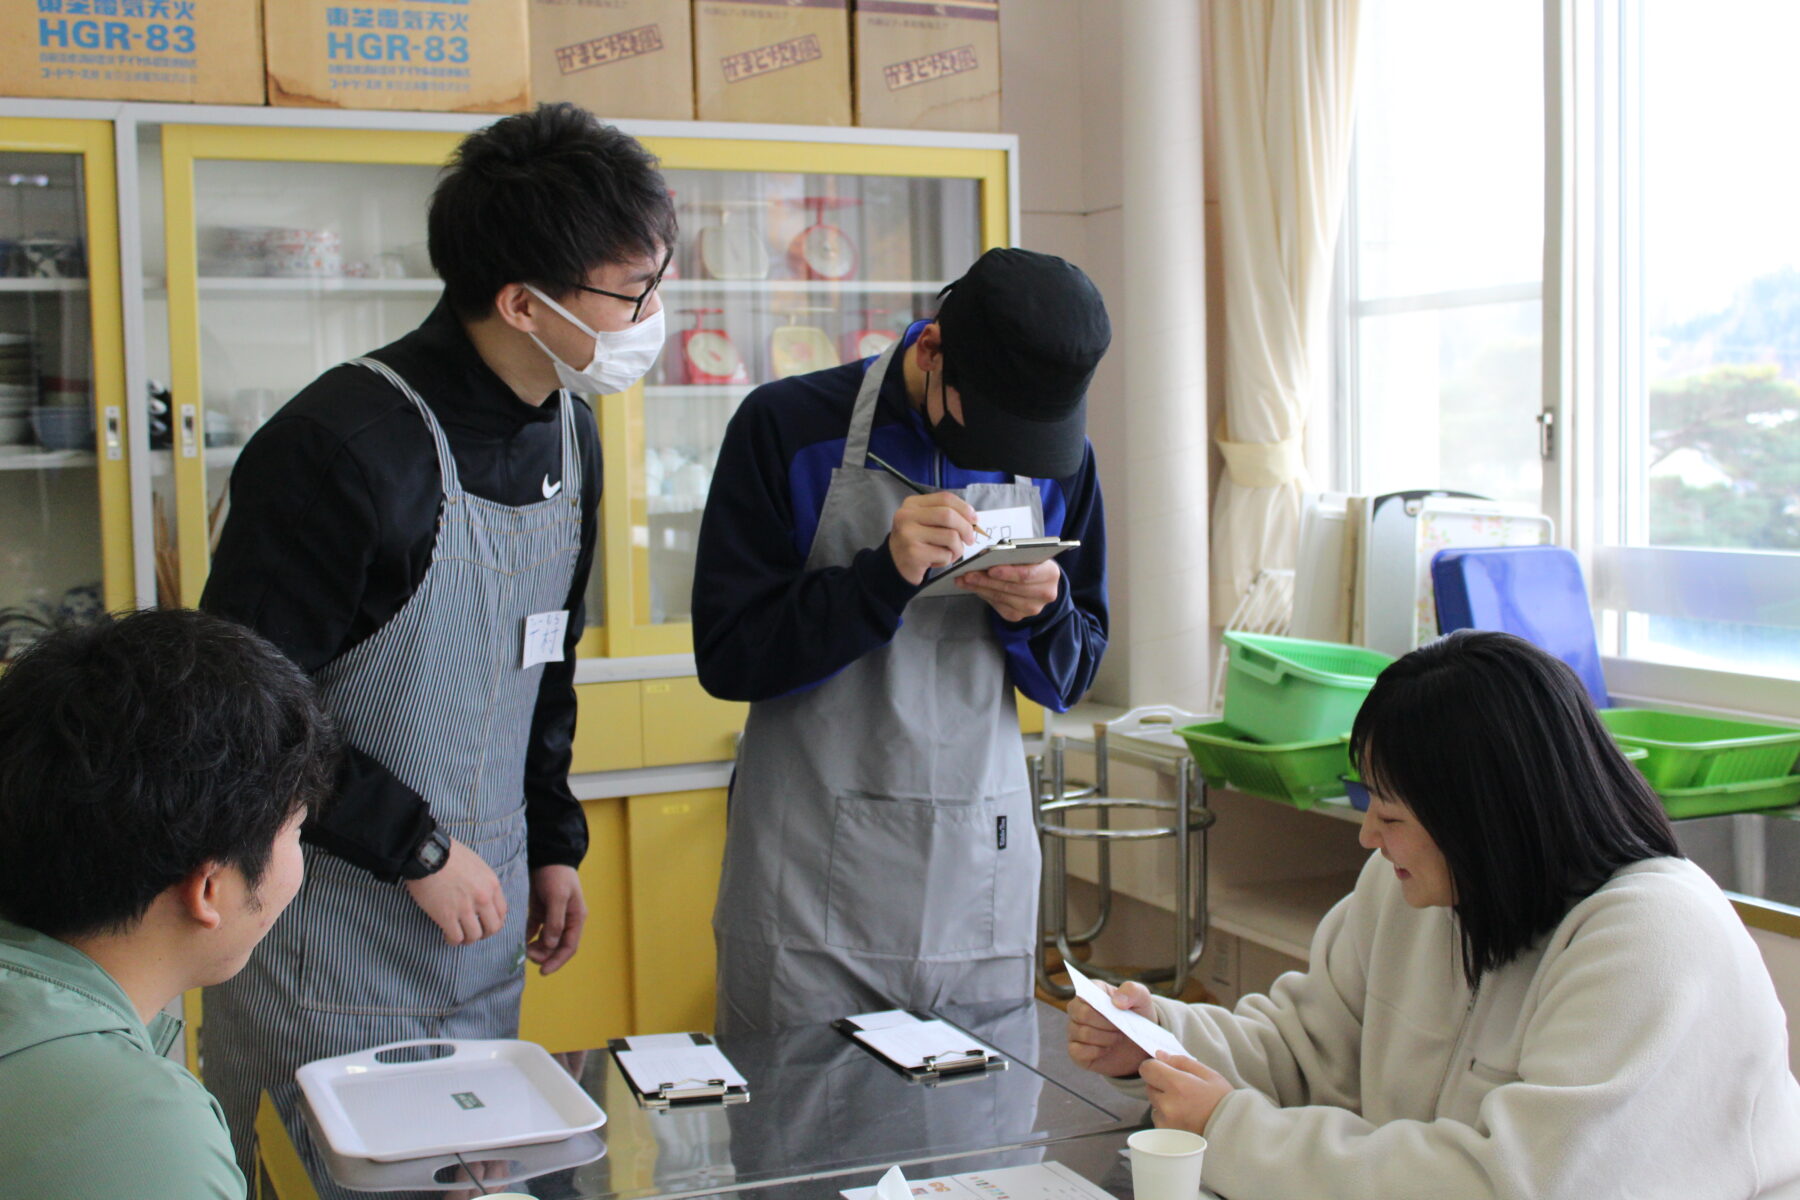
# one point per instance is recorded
(1528, 994)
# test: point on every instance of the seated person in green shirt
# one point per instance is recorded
(154, 772)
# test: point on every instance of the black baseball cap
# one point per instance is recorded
(1022, 334)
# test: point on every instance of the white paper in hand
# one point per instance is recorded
(893, 1186)
(1149, 1036)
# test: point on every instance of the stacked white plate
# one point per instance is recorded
(18, 388)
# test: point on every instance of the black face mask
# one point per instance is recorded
(954, 438)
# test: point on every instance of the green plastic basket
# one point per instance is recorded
(1747, 796)
(1688, 751)
(1297, 773)
(1283, 690)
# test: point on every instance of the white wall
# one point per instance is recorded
(1062, 66)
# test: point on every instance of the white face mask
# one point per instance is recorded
(620, 359)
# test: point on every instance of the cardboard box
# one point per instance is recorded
(199, 51)
(435, 55)
(615, 58)
(782, 63)
(928, 66)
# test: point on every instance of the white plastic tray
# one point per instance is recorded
(481, 1096)
(516, 1164)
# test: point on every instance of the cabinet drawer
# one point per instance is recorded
(609, 728)
(682, 724)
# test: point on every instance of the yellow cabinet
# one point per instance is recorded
(609, 727)
(65, 505)
(589, 999)
(677, 845)
(646, 959)
(682, 724)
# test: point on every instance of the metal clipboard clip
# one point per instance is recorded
(700, 1092)
(692, 1089)
(942, 1069)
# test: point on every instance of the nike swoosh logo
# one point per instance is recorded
(550, 489)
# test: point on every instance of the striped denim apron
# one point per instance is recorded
(437, 696)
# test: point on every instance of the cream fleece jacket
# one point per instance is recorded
(1639, 1051)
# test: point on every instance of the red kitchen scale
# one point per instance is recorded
(708, 355)
(867, 343)
(822, 251)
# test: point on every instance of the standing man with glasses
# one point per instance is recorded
(415, 529)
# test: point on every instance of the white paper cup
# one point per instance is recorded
(1165, 1164)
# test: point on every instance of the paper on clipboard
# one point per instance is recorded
(1149, 1036)
(883, 1019)
(654, 1068)
(910, 1045)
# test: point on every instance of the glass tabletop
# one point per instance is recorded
(821, 1107)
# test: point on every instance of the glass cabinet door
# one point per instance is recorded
(812, 257)
(65, 549)
(289, 251)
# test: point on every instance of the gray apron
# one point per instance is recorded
(437, 695)
(880, 849)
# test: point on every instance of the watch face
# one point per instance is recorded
(711, 352)
(433, 853)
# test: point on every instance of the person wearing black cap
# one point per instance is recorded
(880, 850)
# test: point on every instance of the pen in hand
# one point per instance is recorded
(916, 486)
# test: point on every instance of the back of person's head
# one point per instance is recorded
(1495, 747)
(137, 750)
(543, 197)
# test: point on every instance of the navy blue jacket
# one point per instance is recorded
(765, 626)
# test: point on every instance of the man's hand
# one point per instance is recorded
(553, 928)
(1097, 1044)
(464, 898)
(1183, 1093)
(930, 531)
(1016, 592)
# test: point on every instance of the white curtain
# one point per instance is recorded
(1284, 76)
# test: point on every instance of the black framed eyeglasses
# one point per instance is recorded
(638, 301)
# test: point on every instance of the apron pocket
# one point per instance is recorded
(366, 948)
(490, 969)
(911, 878)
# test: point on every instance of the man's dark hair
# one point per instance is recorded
(1495, 747)
(133, 751)
(544, 197)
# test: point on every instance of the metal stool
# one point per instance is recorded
(1054, 800)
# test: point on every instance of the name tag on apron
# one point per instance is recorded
(1000, 524)
(544, 633)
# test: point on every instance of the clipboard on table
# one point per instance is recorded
(674, 1070)
(920, 1046)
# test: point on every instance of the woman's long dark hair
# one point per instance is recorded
(1495, 747)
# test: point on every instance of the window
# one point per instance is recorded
(1441, 260)
(1677, 476)
(1697, 477)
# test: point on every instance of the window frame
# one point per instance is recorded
(1593, 333)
